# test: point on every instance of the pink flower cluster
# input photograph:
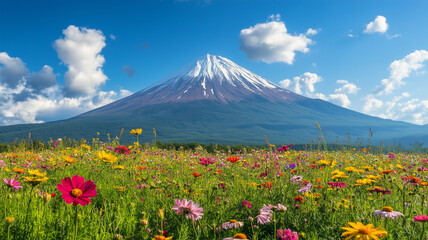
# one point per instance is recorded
(247, 204)
(207, 161)
(421, 218)
(287, 234)
(337, 184)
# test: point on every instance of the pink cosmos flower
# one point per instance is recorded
(12, 183)
(387, 212)
(421, 218)
(306, 188)
(264, 216)
(287, 234)
(191, 209)
(76, 190)
(232, 224)
(296, 179)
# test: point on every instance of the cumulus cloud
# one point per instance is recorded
(129, 71)
(371, 103)
(340, 99)
(80, 49)
(401, 69)
(379, 25)
(305, 85)
(270, 42)
(36, 97)
(403, 108)
(13, 70)
(42, 80)
(306, 81)
(346, 88)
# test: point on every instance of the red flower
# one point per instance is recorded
(122, 150)
(299, 199)
(76, 190)
(196, 174)
(232, 159)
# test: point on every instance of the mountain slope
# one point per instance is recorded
(215, 100)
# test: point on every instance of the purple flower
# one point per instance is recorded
(12, 183)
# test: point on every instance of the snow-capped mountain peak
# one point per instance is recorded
(210, 77)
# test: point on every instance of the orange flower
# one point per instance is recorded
(141, 168)
(387, 171)
(267, 185)
(232, 159)
(196, 174)
(18, 170)
(299, 199)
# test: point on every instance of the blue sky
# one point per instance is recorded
(61, 58)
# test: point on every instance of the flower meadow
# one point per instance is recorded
(110, 191)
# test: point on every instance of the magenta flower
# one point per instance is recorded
(207, 161)
(191, 209)
(247, 204)
(421, 218)
(284, 148)
(76, 190)
(337, 184)
(287, 234)
(122, 150)
(12, 183)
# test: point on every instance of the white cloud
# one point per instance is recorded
(371, 103)
(340, 99)
(401, 69)
(37, 97)
(270, 42)
(13, 70)
(112, 37)
(347, 88)
(80, 51)
(312, 32)
(305, 84)
(306, 81)
(42, 80)
(379, 25)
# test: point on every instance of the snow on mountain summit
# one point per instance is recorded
(209, 77)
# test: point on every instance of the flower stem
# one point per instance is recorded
(75, 215)
(423, 231)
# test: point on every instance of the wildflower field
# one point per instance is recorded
(110, 191)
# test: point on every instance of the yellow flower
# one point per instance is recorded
(34, 180)
(338, 174)
(118, 167)
(69, 159)
(353, 169)
(85, 146)
(373, 177)
(361, 231)
(137, 131)
(367, 168)
(106, 157)
(364, 181)
(327, 163)
(36, 173)
(9, 220)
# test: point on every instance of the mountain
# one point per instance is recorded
(215, 100)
